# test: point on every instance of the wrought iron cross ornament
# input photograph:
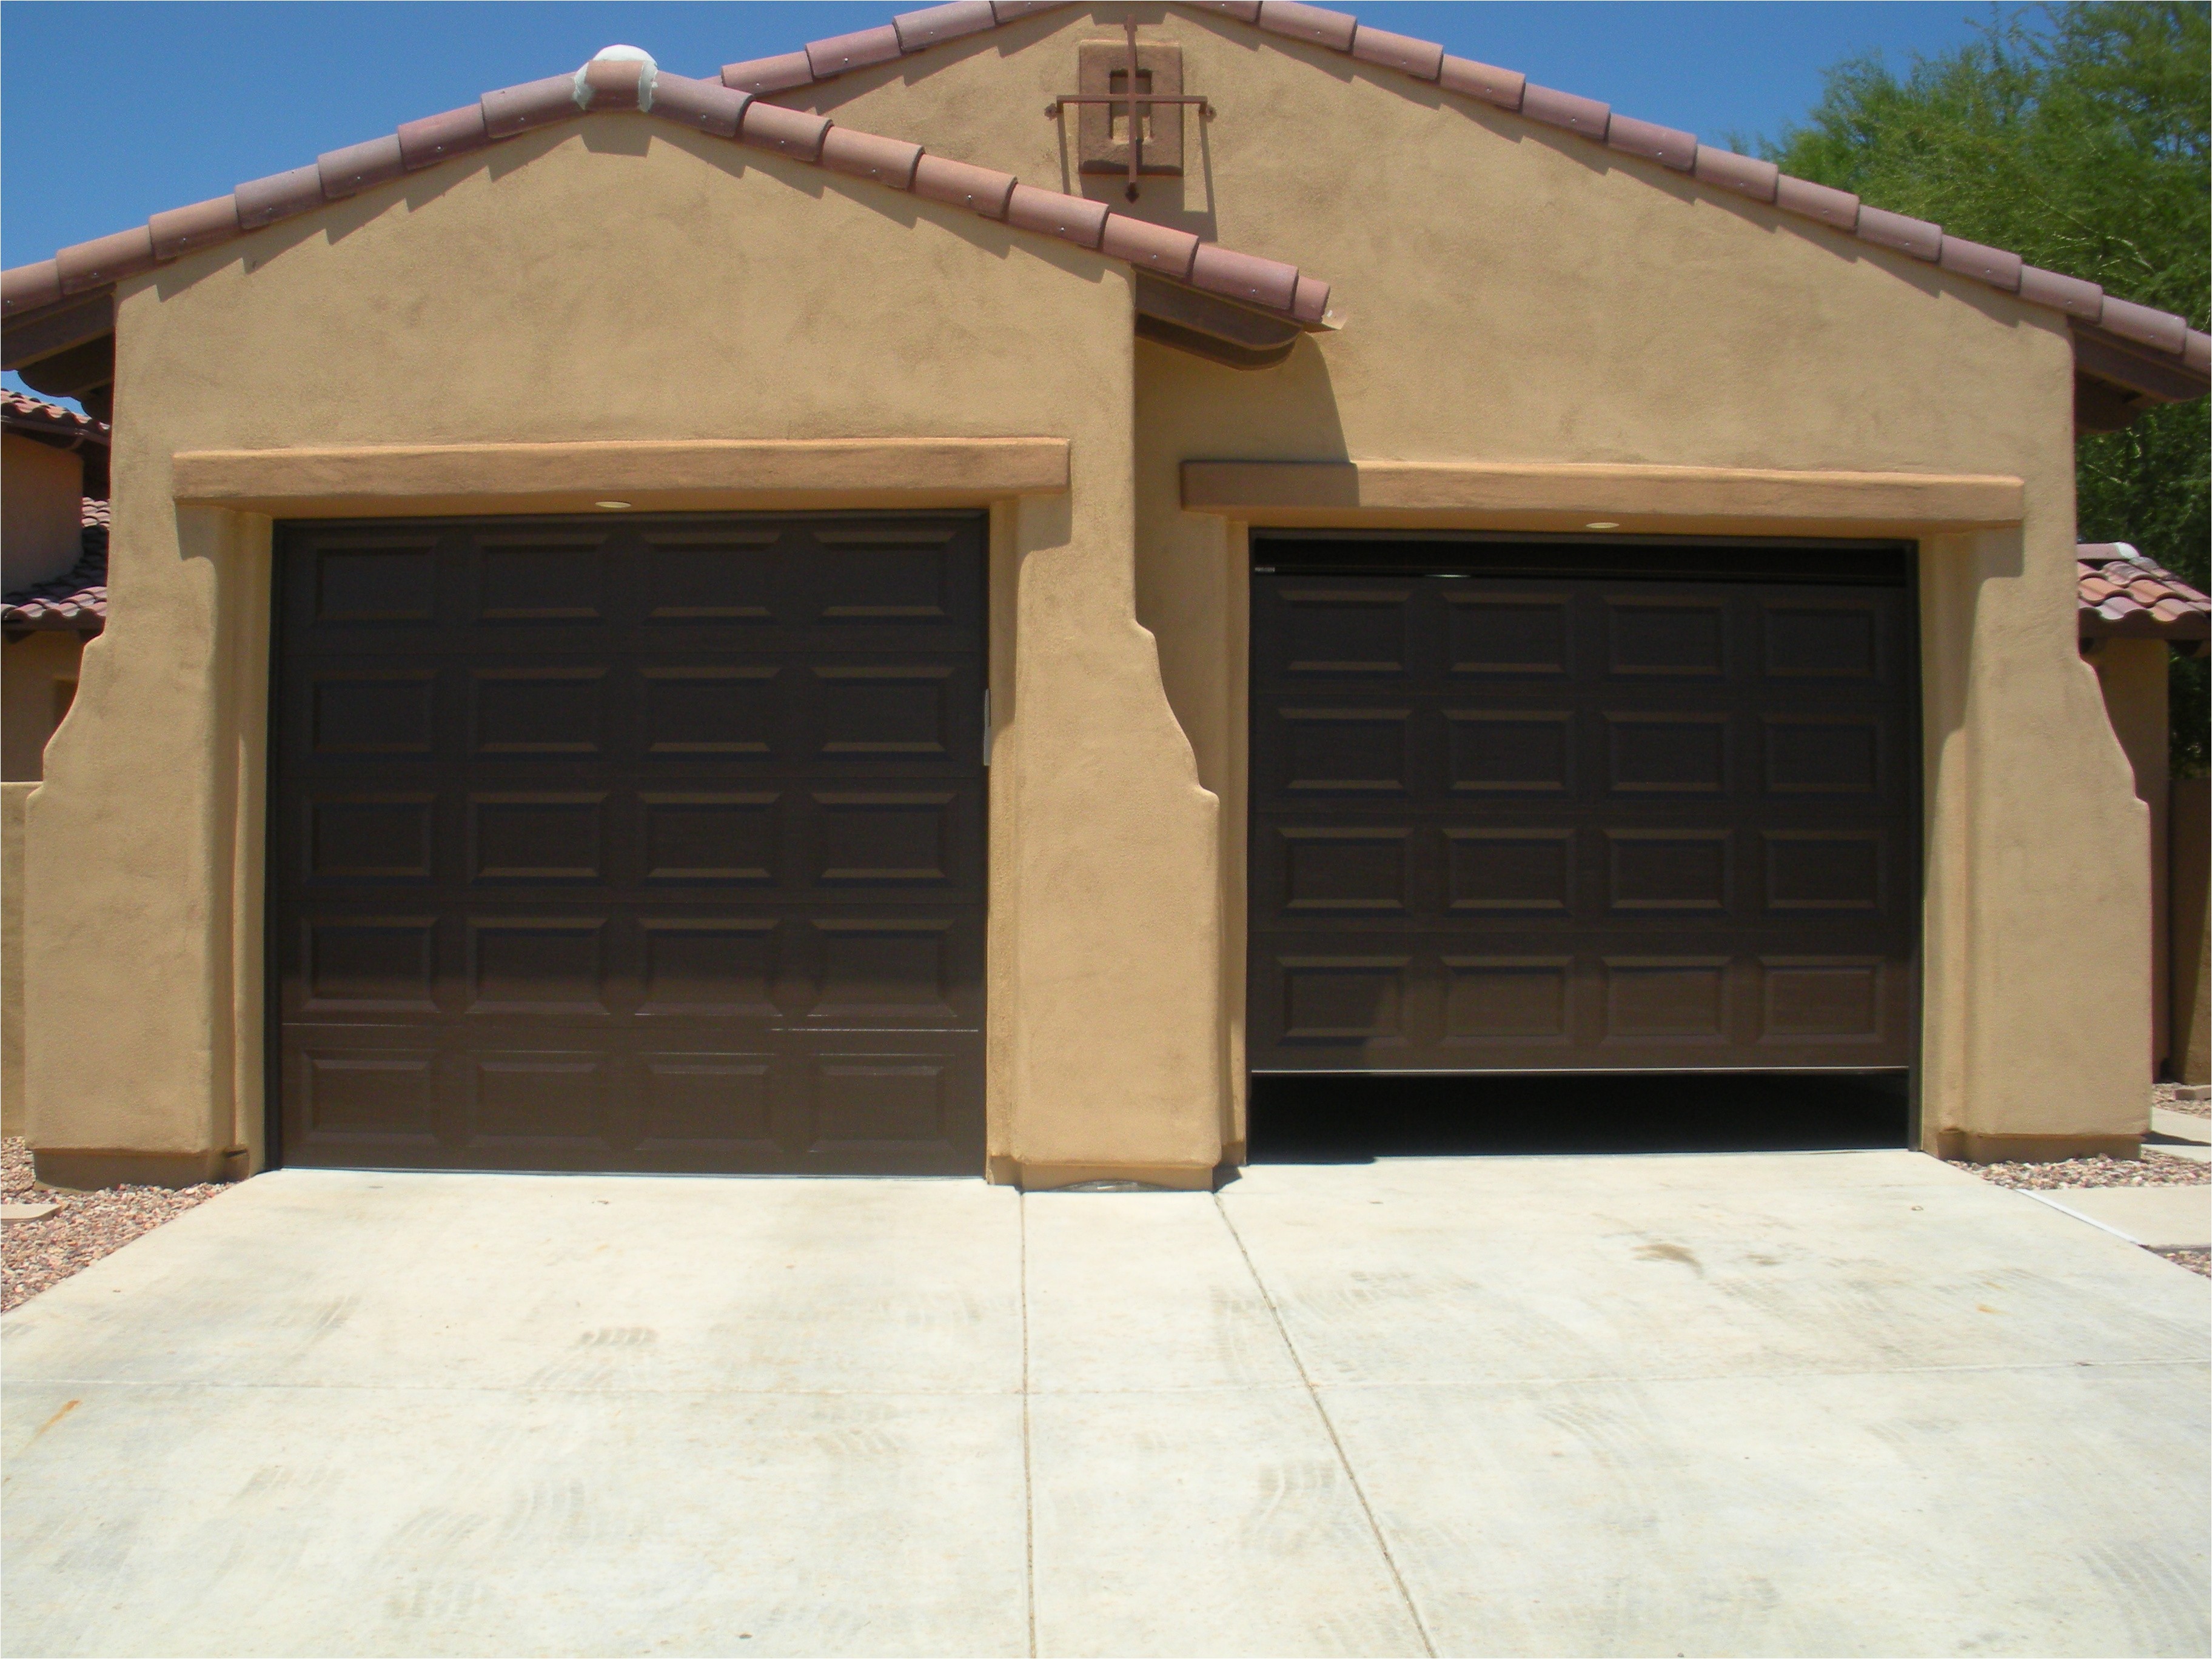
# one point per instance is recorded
(1132, 101)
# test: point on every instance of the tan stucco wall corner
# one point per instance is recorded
(14, 798)
(2190, 1051)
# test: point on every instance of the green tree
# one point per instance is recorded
(2075, 135)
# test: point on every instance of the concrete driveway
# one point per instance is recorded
(1788, 1403)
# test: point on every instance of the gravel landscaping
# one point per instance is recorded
(2152, 1168)
(34, 1255)
(2171, 1098)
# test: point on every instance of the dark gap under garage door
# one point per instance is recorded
(653, 843)
(1340, 1117)
(1563, 807)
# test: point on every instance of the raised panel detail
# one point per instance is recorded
(1511, 999)
(1680, 639)
(886, 972)
(863, 1098)
(1362, 870)
(1667, 754)
(537, 837)
(1344, 631)
(1820, 997)
(369, 1092)
(885, 711)
(1668, 869)
(711, 1097)
(1816, 755)
(537, 1096)
(885, 838)
(1343, 998)
(1518, 870)
(537, 711)
(381, 838)
(716, 967)
(710, 836)
(1346, 750)
(529, 965)
(1823, 869)
(710, 711)
(1666, 997)
(369, 964)
(554, 580)
(1527, 751)
(886, 575)
(1507, 633)
(722, 575)
(373, 713)
(388, 584)
(1821, 642)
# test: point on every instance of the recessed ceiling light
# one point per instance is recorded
(623, 506)
(1602, 523)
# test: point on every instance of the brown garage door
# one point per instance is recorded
(648, 843)
(1549, 807)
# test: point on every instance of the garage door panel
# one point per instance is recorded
(589, 841)
(1678, 637)
(1586, 823)
(722, 968)
(541, 577)
(726, 838)
(1517, 635)
(364, 711)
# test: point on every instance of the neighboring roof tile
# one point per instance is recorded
(1337, 31)
(2124, 594)
(621, 80)
(76, 600)
(23, 413)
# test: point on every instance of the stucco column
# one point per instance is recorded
(2132, 674)
(1115, 852)
(131, 1041)
(2037, 982)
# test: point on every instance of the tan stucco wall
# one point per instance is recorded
(622, 249)
(13, 798)
(2132, 675)
(41, 508)
(2191, 1048)
(1511, 294)
(37, 677)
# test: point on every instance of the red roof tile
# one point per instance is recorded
(23, 413)
(425, 142)
(2124, 595)
(622, 79)
(1341, 32)
(76, 600)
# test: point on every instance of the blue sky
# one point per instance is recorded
(111, 112)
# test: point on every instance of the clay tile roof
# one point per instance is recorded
(622, 79)
(2161, 333)
(2125, 595)
(2154, 353)
(40, 419)
(76, 600)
